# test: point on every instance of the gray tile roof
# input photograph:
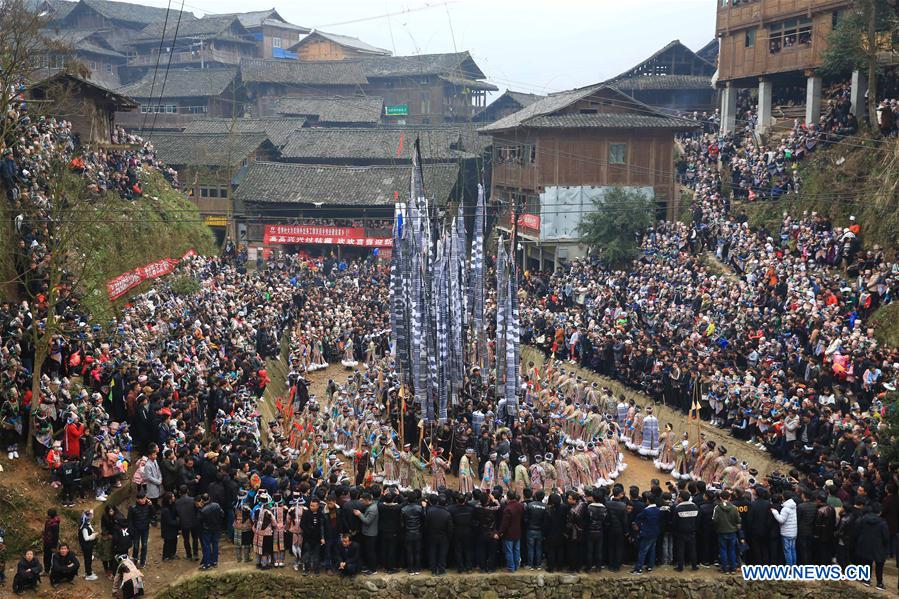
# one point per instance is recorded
(663, 82)
(542, 113)
(524, 99)
(297, 72)
(206, 149)
(182, 83)
(277, 129)
(336, 109)
(458, 63)
(547, 105)
(609, 120)
(275, 182)
(206, 27)
(377, 143)
(469, 83)
(134, 13)
(344, 40)
(257, 18)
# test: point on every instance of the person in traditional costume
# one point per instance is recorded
(702, 457)
(243, 528)
(729, 476)
(537, 473)
(279, 528)
(391, 463)
(715, 470)
(650, 442)
(466, 474)
(439, 466)
(681, 449)
(522, 475)
(666, 460)
(488, 479)
(745, 477)
(405, 467)
(549, 471)
(294, 528)
(563, 480)
(417, 468)
(263, 527)
(504, 473)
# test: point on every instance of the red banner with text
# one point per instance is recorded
(125, 282)
(294, 234)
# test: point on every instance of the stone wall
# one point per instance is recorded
(499, 586)
(755, 457)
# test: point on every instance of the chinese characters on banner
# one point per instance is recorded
(355, 236)
(125, 282)
(527, 221)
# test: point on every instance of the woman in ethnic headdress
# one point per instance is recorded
(666, 460)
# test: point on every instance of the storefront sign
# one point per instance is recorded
(216, 221)
(396, 110)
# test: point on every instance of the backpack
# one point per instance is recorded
(138, 477)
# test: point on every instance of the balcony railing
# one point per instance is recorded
(192, 57)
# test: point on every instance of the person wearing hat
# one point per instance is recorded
(466, 473)
(650, 443)
(522, 477)
(128, 581)
(488, 479)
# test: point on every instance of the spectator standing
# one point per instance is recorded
(50, 537)
(186, 506)
(87, 538)
(139, 515)
(510, 531)
(786, 517)
(726, 518)
(169, 527)
(212, 522)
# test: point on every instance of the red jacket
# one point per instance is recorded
(510, 525)
(72, 444)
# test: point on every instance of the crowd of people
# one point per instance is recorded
(168, 398)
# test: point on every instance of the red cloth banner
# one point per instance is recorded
(122, 284)
(529, 221)
(125, 282)
(294, 234)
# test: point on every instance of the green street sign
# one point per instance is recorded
(396, 110)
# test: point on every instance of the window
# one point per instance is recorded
(588, 111)
(197, 109)
(57, 61)
(617, 153)
(425, 80)
(166, 108)
(749, 41)
(276, 42)
(109, 67)
(425, 103)
(789, 34)
(92, 65)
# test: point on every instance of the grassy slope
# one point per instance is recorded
(162, 224)
(852, 187)
(886, 325)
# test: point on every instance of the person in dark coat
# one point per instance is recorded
(389, 527)
(510, 531)
(760, 525)
(439, 531)
(170, 526)
(413, 520)
(575, 530)
(485, 516)
(28, 573)
(139, 515)
(554, 533)
(348, 560)
(617, 527)
(189, 523)
(64, 565)
(873, 543)
(463, 528)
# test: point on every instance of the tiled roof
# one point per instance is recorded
(183, 83)
(337, 109)
(664, 82)
(547, 105)
(343, 40)
(134, 13)
(275, 182)
(257, 18)
(469, 83)
(277, 129)
(458, 63)
(378, 143)
(609, 120)
(297, 72)
(197, 28)
(206, 149)
(524, 99)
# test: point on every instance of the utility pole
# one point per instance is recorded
(516, 212)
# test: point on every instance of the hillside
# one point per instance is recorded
(858, 176)
(161, 224)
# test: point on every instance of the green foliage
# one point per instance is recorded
(184, 285)
(612, 227)
(845, 51)
(886, 325)
(889, 439)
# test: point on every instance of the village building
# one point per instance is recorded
(427, 89)
(90, 50)
(272, 33)
(320, 45)
(333, 111)
(277, 129)
(508, 103)
(776, 43)
(211, 42)
(264, 81)
(323, 209)
(209, 165)
(673, 79)
(554, 158)
(92, 109)
(188, 93)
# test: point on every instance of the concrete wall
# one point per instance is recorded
(755, 457)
